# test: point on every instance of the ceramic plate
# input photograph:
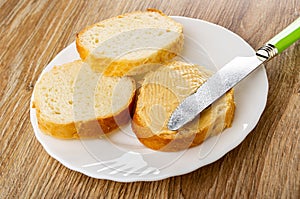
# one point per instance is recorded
(123, 158)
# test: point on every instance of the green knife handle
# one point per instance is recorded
(286, 37)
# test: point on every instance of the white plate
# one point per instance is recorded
(122, 158)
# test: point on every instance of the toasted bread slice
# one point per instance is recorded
(118, 45)
(72, 101)
(161, 93)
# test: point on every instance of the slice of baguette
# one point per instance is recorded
(72, 101)
(118, 45)
(161, 93)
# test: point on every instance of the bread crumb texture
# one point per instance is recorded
(118, 45)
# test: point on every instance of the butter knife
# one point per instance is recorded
(230, 74)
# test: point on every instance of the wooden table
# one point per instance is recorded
(265, 165)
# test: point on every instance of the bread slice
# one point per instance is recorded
(161, 93)
(118, 45)
(72, 101)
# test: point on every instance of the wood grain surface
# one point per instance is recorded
(265, 165)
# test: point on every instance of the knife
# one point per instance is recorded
(230, 74)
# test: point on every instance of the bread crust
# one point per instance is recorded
(82, 51)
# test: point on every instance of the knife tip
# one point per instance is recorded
(173, 124)
(172, 127)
